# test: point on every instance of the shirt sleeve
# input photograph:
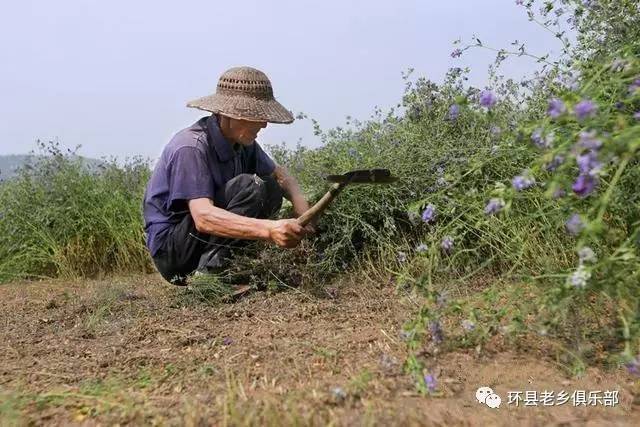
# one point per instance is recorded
(188, 178)
(264, 164)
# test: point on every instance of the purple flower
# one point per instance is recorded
(556, 108)
(436, 331)
(454, 112)
(488, 99)
(633, 366)
(536, 137)
(522, 182)
(519, 2)
(584, 185)
(456, 53)
(584, 109)
(637, 115)
(618, 65)
(447, 244)
(589, 141)
(580, 277)
(421, 248)
(559, 193)
(572, 81)
(634, 86)
(588, 164)
(494, 206)
(619, 105)
(429, 214)
(540, 140)
(557, 161)
(468, 325)
(430, 382)
(574, 225)
(586, 254)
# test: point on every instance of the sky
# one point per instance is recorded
(115, 76)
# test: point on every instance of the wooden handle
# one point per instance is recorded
(317, 209)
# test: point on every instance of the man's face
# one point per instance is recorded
(243, 131)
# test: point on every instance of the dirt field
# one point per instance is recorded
(134, 351)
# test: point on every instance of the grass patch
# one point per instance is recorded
(100, 306)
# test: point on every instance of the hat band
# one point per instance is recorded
(247, 94)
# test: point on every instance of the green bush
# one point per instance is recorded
(568, 218)
(60, 218)
(537, 191)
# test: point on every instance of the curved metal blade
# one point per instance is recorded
(364, 176)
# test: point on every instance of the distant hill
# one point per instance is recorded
(10, 162)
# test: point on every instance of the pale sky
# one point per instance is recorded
(115, 75)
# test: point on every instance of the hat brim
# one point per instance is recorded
(244, 108)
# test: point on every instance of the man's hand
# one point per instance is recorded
(287, 233)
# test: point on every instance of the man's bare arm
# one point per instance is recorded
(291, 189)
(211, 219)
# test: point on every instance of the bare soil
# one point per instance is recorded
(135, 351)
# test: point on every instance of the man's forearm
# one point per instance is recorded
(300, 204)
(291, 190)
(210, 219)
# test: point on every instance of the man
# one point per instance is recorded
(214, 187)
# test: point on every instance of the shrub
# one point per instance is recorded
(61, 218)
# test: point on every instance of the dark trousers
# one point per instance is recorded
(186, 250)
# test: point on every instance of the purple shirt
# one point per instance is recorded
(196, 163)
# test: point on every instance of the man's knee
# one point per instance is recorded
(245, 188)
(252, 195)
(274, 196)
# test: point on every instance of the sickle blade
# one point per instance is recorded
(364, 176)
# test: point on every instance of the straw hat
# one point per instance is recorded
(244, 93)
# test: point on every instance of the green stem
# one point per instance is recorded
(596, 76)
(625, 332)
(507, 52)
(555, 34)
(612, 185)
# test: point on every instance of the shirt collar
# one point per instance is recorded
(220, 144)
